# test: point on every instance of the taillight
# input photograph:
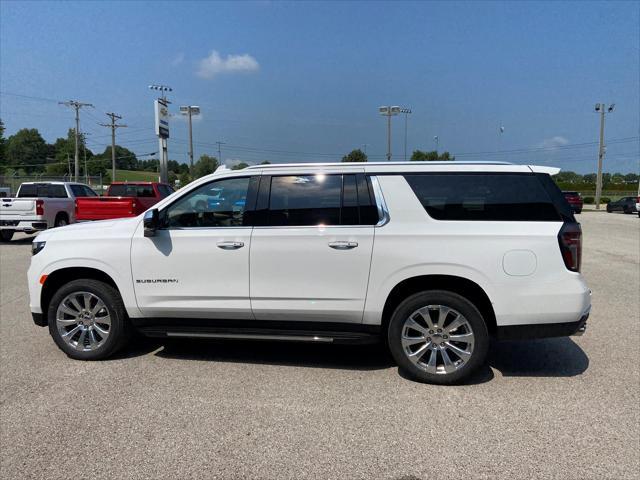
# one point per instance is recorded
(39, 207)
(570, 240)
(133, 207)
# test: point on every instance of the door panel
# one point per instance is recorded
(197, 265)
(185, 273)
(297, 275)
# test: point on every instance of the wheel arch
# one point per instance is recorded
(58, 278)
(460, 285)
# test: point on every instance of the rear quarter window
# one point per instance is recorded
(483, 197)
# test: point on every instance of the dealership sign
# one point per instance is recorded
(162, 119)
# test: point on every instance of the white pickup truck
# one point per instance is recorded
(40, 205)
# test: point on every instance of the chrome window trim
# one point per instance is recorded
(381, 204)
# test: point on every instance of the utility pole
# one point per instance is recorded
(84, 148)
(406, 112)
(364, 146)
(189, 111)
(77, 106)
(602, 109)
(162, 128)
(389, 112)
(113, 127)
(220, 152)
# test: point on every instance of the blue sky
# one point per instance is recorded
(308, 77)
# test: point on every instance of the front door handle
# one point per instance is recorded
(343, 245)
(230, 245)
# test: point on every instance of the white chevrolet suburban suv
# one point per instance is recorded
(432, 258)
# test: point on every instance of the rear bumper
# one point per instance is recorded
(27, 226)
(545, 330)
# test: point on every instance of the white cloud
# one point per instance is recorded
(177, 60)
(554, 142)
(214, 64)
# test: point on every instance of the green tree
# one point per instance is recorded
(355, 156)
(125, 158)
(266, 162)
(27, 150)
(431, 156)
(205, 165)
(185, 179)
(568, 177)
(240, 166)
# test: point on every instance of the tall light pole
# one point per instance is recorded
(389, 112)
(189, 111)
(437, 140)
(77, 106)
(162, 128)
(364, 146)
(602, 109)
(406, 112)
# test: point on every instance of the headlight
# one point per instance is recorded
(36, 247)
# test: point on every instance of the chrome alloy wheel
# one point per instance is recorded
(83, 321)
(437, 339)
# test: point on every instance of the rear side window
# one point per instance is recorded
(305, 200)
(484, 197)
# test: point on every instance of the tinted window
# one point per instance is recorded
(82, 191)
(44, 190)
(145, 191)
(305, 200)
(118, 190)
(27, 191)
(131, 190)
(165, 190)
(500, 197)
(216, 204)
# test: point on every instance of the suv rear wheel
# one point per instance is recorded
(438, 337)
(6, 235)
(87, 320)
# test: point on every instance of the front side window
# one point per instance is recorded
(488, 197)
(304, 200)
(217, 204)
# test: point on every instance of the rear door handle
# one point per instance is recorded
(341, 245)
(230, 245)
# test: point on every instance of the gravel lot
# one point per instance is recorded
(557, 408)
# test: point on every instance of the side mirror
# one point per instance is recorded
(151, 222)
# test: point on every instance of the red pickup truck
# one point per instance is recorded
(123, 199)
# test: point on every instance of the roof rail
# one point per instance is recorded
(336, 164)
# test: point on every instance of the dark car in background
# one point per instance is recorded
(575, 200)
(625, 205)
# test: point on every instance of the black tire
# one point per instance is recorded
(579, 211)
(6, 235)
(455, 302)
(61, 220)
(626, 210)
(119, 330)
(609, 210)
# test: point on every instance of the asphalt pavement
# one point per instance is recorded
(565, 408)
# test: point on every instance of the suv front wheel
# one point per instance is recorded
(438, 337)
(87, 320)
